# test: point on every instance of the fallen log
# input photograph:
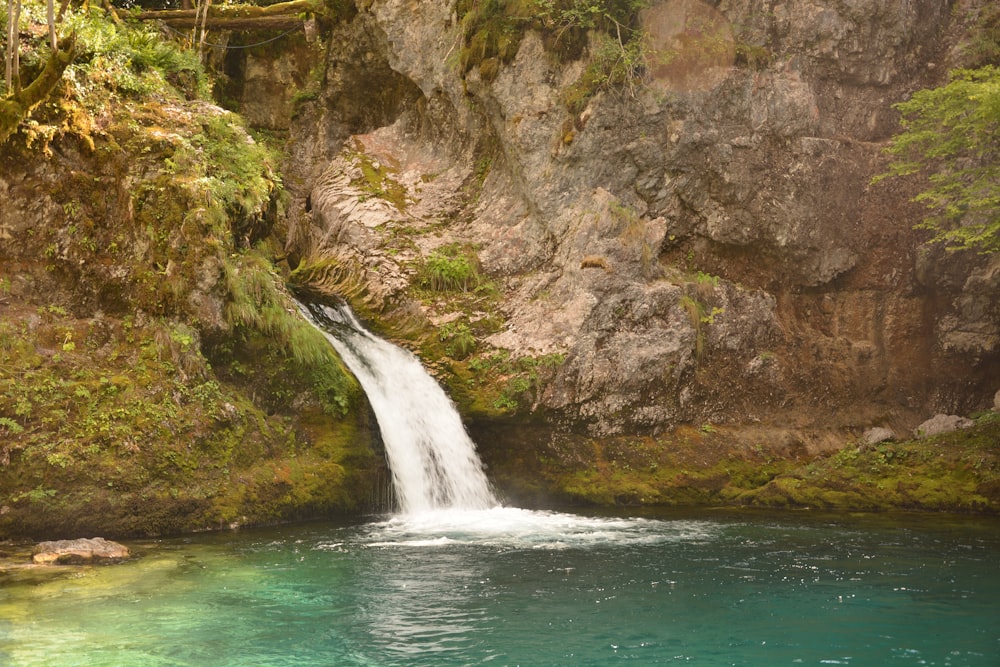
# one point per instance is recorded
(260, 23)
(283, 9)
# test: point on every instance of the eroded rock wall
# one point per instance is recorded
(704, 248)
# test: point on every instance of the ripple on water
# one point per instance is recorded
(507, 586)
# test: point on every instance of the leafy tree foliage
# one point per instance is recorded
(951, 134)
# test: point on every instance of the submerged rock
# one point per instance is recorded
(939, 424)
(85, 550)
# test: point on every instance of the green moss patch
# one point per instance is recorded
(958, 472)
(687, 467)
(155, 376)
(954, 472)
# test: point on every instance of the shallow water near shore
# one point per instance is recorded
(516, 587)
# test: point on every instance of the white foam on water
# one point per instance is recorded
(528, 529)
(444, 496)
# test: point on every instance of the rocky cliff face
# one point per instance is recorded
(703, 249)
(669, 290)
(675, 289)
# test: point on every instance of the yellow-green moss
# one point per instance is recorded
(956, 472)
(151, 357)
(377, 181)
(131, 420)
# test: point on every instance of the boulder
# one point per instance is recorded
(996, 401)
(877, 434)
(939, 424)
(85, 550)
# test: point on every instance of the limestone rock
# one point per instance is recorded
(996, 401)
(874, 436)
(972, 324)
(709, 199)
(939, 424)
(84, 550)
(270, 79)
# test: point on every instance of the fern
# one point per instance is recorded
(11, 426)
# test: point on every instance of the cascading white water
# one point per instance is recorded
(433, 461)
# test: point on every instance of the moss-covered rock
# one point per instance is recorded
(155, 376)
(958, 472)
(125, 427)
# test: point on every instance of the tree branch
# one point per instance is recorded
(259, 23)
(18, 106)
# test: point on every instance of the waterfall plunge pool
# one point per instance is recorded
(455, 579)
(516, 587)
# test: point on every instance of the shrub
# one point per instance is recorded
(459, 340)
(449, 269)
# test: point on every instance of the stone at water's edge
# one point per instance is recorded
(84, 550)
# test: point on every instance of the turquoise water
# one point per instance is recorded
(511, 587)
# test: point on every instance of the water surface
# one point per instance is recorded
(512, 587)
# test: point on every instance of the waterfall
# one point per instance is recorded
(433, 461)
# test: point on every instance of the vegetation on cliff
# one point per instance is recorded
(493, 30)
(149, 353)
(950, 138)
(950, 133)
